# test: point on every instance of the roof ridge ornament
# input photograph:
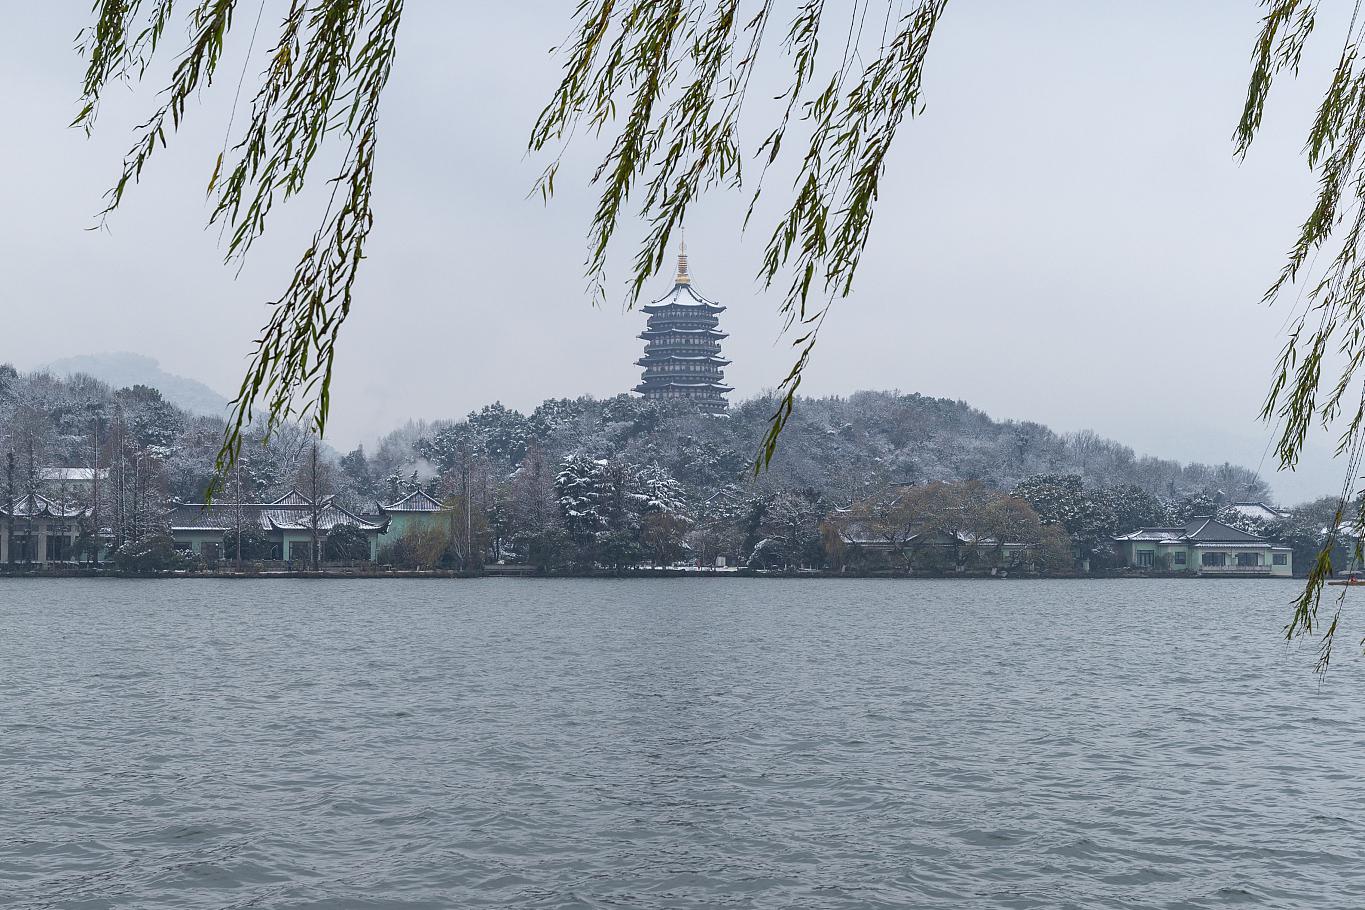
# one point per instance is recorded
(682, 277)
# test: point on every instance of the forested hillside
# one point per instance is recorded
(840, 446)
(565, 476)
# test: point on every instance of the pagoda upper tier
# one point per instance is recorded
(682, 347)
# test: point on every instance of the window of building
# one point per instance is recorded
(1248, 559)
(23, 548)
(1280, 559)
(1178, 557)
(1214, 559)
(1145, 558)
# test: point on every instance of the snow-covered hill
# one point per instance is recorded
(122, 368)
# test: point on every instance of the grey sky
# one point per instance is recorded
(1064, 236)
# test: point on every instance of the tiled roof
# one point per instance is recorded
(861, 532)
(329, 515)
(1259, 510)
(70, 475)
(654, 332)
(1199, 530)
(683, 295)
(660, 382)
(1205, 529)
(36, 505)
(1215, 544)
(1153, 534)
(653, 358)
(281, 516)
(416, 501)
(857, 531)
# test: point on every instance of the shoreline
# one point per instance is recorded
(655, 574)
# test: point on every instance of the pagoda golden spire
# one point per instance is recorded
(682, 277)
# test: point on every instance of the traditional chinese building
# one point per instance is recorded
(37, 530)
(1204, 546)
(682, 347)
(287, 522)
(417, 511)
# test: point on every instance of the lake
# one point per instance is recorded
(673, 743)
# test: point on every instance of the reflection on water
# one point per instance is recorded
(672, 743)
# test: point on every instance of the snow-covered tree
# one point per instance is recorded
(665, 518)
(662, 494)
(533, 522)
(788, 531)
(1088, 518)
(584, 491)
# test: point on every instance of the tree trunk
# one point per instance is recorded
(10, 495)
(316, 511)
(95, 496)
(239, 515)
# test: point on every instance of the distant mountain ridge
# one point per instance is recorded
(124, 368)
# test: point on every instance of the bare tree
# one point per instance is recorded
(237, 512)
(315, 498)
(11, 494)
(96, 534)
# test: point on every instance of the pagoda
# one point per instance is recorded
(682, 347)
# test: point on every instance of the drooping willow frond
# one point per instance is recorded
(668, 81)
(1329, 323)
(680, 73)
(326, 73)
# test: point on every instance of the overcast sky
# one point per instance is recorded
(1064, 235)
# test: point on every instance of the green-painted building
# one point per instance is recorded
(416, 511)
(1204, 546)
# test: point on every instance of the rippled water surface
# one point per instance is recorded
(672, 743)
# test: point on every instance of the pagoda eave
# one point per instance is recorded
(706, 307)
(694, 386)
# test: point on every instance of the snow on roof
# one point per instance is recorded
(70, 475)
(859, 531)
(1222, 544)
(862, 532)
(1258, 510)
(329, 515)
(292, 498)
(1153, 534)
(36, 505)
(416, 501)
(1350, 530)
(650, 334)
(1199, 530)
(683, 295)
(664, 358)
(280, 516)
(699, 384)
(1204, 528)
